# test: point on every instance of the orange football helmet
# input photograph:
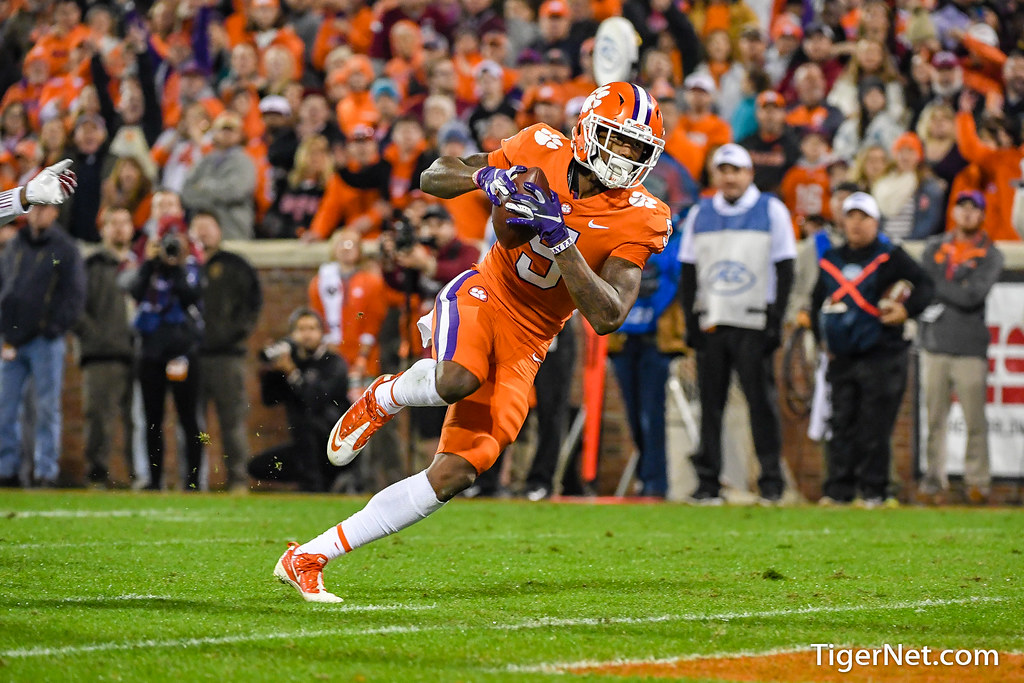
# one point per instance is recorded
(628, 111)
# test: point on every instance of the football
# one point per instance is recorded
(511, 236)
(897, 292)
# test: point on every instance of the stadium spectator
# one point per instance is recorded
(871, 124)
(107, 346)
(1013, 89)
(805, 187)
(279, 136)
(1000, 163)
(432, 19)
(492, 99)
(736, 329)
(727, 74)
(224, 181)
(167, 290)
(817, 48)
(964, 264)
(406, 156)
(869, 61)
(42, 292)
(314, 117)
(937, 129)
(811, 110)
(699, 131)
(128, 187)
(774, 148)
(730, 15)
(310, 381)
(650, 337)
(300, 194)
(356, 194)
(870, 164)
(910, 199)
(180, 148)
(786, 34)
(863, 335)
(232, 299)
(744, 119)
(92, 164)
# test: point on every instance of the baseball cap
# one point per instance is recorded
(453, 132)
(945, 60)
(384, 87)
(437, 211)
(971, 196)
(770, 98)
(785, 25)
(275, 104)
(489, 67)
(554, 8)
(528, 56)
(731, 154)
(819, 28)
(861, 201)
(908, 140)
(362, 132)
(700, 81)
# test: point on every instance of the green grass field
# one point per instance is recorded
(124, 586)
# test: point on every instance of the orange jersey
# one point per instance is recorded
(806, 191)
(625, 223)
(363, 307)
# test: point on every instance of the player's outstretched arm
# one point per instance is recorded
(606, 299)
(449, 177)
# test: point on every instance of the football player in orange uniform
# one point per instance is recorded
(491, 325)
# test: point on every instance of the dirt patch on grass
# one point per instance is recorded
(802, 667)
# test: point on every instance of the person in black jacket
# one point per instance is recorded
(42, 288)
(311, 382)
(106, 341)
(861, 323)
(232, 300)
(168, 290)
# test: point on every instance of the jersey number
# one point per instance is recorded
(539, 268)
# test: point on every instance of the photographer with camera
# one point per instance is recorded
(421, 256)
(311, 382)
(167, 289)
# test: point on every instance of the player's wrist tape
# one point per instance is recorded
(476, 176)
(563, 245)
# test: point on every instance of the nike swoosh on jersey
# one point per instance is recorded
(597, 226)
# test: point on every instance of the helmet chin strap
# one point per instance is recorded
(614, 173)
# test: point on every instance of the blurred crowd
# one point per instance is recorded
(313, 119)
(290, 119)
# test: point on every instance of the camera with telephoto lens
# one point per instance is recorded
(170, 246)
(271, 353)
(404, 232)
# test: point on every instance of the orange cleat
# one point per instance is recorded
(305, 571)
(357, 425)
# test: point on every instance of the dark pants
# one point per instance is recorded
(223, 384)
(554, 386)
(303, 461)
(107, 388)
(642, 371)
(742, 350)
(866, 395)
(154, 383)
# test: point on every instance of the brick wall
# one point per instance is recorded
(285, 270)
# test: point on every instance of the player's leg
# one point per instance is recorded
(462, 341)
(474, 433)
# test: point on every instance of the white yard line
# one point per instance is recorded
(565, 667)
(528, 624)
(97, 544)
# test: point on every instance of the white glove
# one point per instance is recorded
(53, 185)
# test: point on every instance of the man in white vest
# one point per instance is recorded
(737, 253)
